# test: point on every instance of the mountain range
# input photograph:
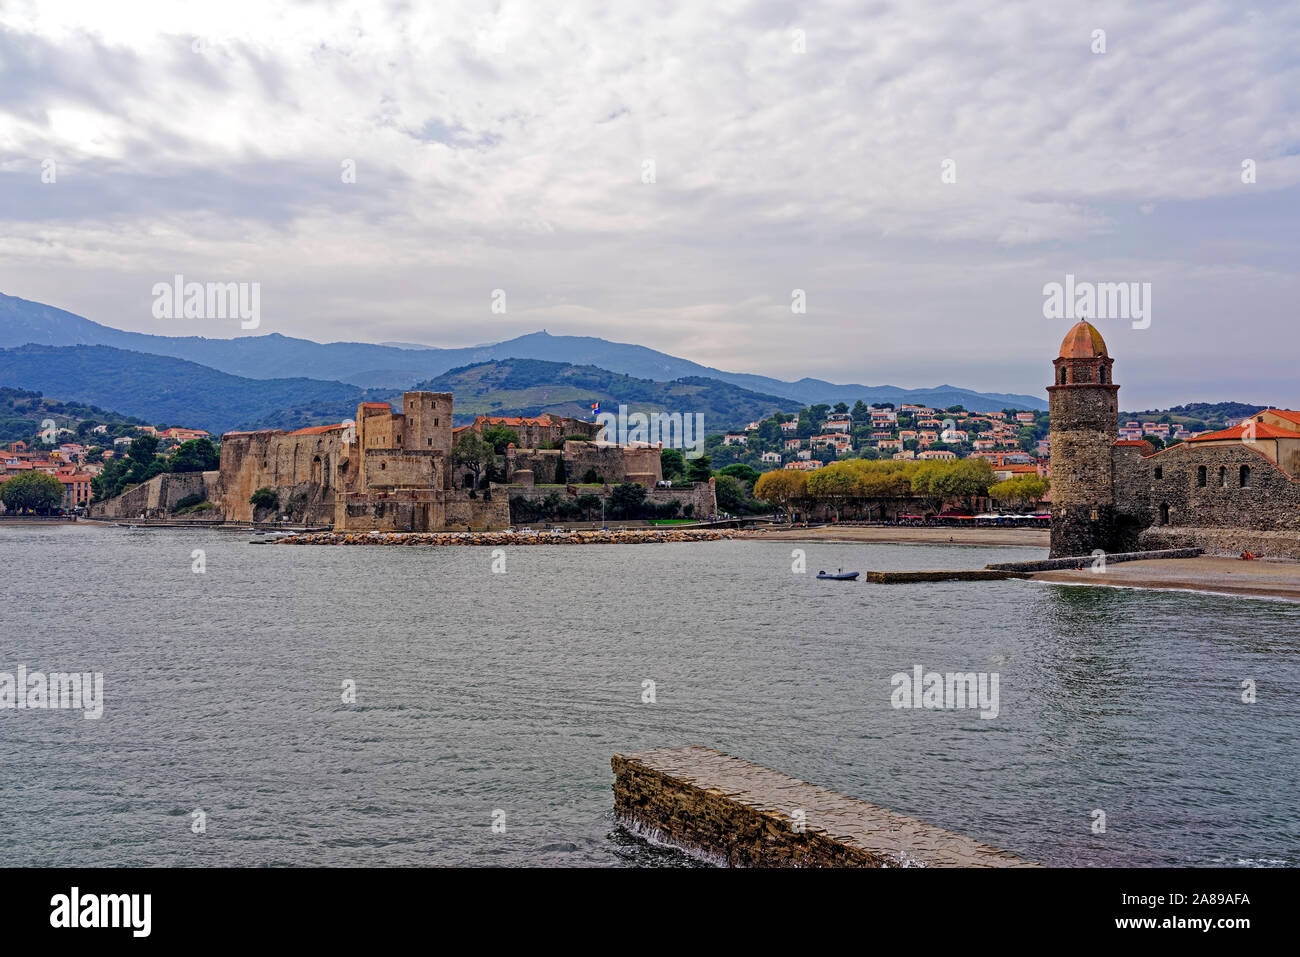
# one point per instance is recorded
(397, 366)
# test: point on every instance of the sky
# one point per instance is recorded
(670, 174)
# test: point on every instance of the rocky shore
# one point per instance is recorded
(639, 536)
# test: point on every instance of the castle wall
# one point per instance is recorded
(390, 468)
(303, 468)
(419, 511)
(1269, 502)
(543, 463)
(156, 497)
(463, 511)
(700, 494)
(1225, 542)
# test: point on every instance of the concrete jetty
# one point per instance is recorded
(956, 575)
(746, 815)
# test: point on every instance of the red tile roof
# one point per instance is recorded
(1262, 431)
(317, 429)
(1289, 414)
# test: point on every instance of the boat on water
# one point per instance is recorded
(839, 576)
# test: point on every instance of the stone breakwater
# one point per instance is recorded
(639, 536)
(745, 815)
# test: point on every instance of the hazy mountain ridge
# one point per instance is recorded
(163, 389)
(368, 365)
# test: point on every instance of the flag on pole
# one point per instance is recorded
(595, 408)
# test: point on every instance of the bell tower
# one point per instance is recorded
(1084, 406)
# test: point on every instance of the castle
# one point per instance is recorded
(394, 471)
(1228, 491)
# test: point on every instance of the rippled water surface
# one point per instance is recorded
(480, 692)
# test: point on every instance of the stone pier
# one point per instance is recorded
(746, 815)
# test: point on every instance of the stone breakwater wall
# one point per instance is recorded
(746, 815)
(595, 537)
(960, 575)
(1051, 564)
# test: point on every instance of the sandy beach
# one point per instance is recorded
(1028, 537)
(1232, 576)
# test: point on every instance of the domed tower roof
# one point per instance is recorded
(1083, 341)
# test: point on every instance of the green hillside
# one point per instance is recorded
(534, 386)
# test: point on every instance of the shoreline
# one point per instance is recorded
(641, 536)
(1226, 577)
(910, 535)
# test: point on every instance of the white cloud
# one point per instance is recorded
(505, 149)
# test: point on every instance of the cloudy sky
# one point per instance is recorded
(794, 146)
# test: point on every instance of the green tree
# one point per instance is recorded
(698, 470)
(196, 455)
(474, 452)
(561, 473)
(265, 498)
(32, 492)
(1022, 490)
(626, 501)
(732, 494)
(746, 473)
(498, 436)
(143, 448)
(672, 463)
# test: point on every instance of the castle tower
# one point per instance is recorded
(427, 422)
(1085, 423)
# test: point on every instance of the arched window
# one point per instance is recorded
(1223, 476)
(1244, 478)
(1061, 375)
(1201, 475)
(1164, 513)
(1101, 374)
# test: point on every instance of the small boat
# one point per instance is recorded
(839, 576)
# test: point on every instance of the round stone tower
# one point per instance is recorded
(1085, 423)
